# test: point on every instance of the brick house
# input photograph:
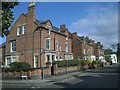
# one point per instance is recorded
(99, 51)
(37, 42)
(86, 49)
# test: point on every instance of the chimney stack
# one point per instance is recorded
(31, 17)
(98, 43)
(63, 27)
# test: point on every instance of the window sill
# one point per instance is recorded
(21, 35)
(13, 51)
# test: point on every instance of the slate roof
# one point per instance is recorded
(54, 28)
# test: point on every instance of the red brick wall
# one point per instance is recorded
(66, 69)
(13, 32)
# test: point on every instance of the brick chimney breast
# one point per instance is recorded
(31, 17)
(74, 34)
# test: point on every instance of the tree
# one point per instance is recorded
(19, 66)
(7, 16)
(108, 58)
(108, 51)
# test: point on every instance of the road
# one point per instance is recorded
(106, 77)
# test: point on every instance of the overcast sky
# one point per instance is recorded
(97, 20)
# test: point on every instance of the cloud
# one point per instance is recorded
(100, 23)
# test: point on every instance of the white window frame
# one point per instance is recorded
(6, 60)
(11, 47)
(18, 32)
(24, 30)
(12, 59)
(35, 65)
(84, 51)
(66, 46)
(49, 43)
(66, 38)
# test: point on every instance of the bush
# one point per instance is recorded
(19, 66)
(98, 62)
(85, 62)
(61, 63)
(67, 63)
(48, 62)
(94, 62)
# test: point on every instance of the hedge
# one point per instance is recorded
(19, 66)
(67, 63)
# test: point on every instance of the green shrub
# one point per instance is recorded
(67, 63)
(94, 62)
(98, 62)
(48, 62)
(86, 61)
(20, 65)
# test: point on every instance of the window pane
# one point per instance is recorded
(53, 57)
(48, 58)
(84, 51)
(66, 46)
(13, 46)
(35, 61)
(24, 29)
(14, 59)
(48, 43)
(19, 30)
(8, 61)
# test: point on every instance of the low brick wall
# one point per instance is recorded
(33, 73)
(16, 74)
(36, 73)
(58, 70)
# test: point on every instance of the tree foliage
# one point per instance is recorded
(108, 58)
(19, 66)
(108, 51)
(7, 16)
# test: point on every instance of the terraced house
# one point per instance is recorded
(37, 42)
(86, 49)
